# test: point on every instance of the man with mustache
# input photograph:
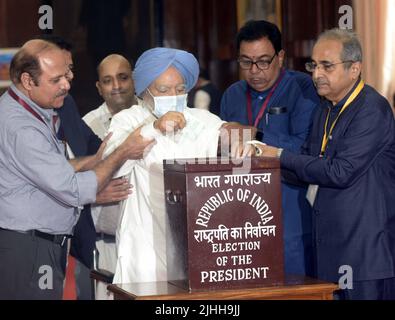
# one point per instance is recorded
(349, 162)
(40, 189)
(279, 103)
(88, 246)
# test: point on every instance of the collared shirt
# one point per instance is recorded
(335, 109)
(38, 187)
(295, 98)
(99, 120)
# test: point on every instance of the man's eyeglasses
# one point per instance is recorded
(246, 64)
(327, 66)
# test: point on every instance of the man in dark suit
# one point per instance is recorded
(349, 162)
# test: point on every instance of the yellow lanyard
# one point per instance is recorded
(351, 98)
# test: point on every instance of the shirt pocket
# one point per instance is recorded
(277, 120)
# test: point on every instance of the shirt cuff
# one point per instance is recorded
(287, 159)
(270, 138)
(87, 187)
(255, 144)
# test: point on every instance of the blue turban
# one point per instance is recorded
(153, 62)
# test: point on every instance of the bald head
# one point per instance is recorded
(112, 59)
(27, 59)
(115, 82)
(36, 46)
(39, 70)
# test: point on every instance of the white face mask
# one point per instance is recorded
(164, 104)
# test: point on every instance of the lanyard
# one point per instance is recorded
(24, 104)
(265, 103)
(350, 99)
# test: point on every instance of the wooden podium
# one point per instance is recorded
(292, 288)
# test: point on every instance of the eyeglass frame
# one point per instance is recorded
(269, 62)
(324, 65)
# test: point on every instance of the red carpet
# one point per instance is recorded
(70, 292)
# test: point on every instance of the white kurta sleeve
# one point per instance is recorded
(122, 125)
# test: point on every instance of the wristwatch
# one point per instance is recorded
(259, 135)
(255, 144)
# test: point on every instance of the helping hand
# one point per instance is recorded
(115, 191)
(137, 147)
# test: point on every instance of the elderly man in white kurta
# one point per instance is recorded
(162, 79)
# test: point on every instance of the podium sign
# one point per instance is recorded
(224, 227)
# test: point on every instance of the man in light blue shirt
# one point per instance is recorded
(40, 190)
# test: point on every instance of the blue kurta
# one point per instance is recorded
(285, 124)
(354, 210)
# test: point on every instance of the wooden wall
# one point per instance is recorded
(206, 28)
(303, 21)
(18, 21)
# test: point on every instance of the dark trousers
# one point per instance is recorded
(382, 289)
(31, 268)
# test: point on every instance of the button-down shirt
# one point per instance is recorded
(39, 189)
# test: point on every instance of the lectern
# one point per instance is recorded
(224, 223)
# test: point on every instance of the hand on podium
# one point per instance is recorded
(263, 150)
(233, 139)
(239, 149)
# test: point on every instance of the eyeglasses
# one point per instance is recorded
(327, 66)
(260, 64)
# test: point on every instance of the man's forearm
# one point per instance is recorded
(83, 163)
(133, 148)
(106, 168)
